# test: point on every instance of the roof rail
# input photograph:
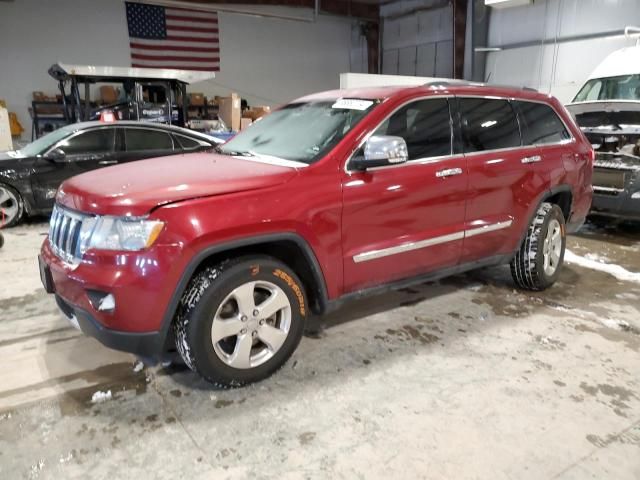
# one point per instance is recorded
(452, 82)
(447, 82)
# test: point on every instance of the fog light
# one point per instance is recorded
(102, 301)
(636, 195)
(107, 304)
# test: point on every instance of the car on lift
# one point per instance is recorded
(607, 109)
(30, 177)
(224, 255)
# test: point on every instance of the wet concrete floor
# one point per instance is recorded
(463, 378)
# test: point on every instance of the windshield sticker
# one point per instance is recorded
(352, 104)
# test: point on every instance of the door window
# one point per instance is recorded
(425, 126)
(541, 124)
(90, 142)
(488, 124)
(139, 139)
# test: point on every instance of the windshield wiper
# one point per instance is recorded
(234, 153)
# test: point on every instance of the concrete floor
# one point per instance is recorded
(464, 378)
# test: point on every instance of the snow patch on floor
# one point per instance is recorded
(596, 257)
(99, 396)
(617, 271)
(615, 324)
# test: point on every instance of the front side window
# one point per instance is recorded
(488, 124)
(622, 87)
(93, 141)
(541, 124)
(140, 139)
(425, 126)
(302, 132)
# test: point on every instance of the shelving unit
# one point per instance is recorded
(47, 112)
(203, 112)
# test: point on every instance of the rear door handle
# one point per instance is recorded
(448, 172)
(532, 159)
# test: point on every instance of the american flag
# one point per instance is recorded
(177, 38)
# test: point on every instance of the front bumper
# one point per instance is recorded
(142, 284)
(148, 344)
(621, 201)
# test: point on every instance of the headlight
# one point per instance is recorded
(121, 233)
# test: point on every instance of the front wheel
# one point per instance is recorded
(537, 264)
(239, 321)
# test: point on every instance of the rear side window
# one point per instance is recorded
(541, 124)
(138, 139)
(187, 143)
(425, 125)
(488, 124)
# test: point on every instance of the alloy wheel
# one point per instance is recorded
(251, 324)
(552, 247)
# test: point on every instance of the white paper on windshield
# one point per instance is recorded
(352, 104)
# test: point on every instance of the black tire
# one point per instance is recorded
(528, 265)
(17, 200)
(203, 298)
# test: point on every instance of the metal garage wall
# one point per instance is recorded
(267, 60)
(417, 42)
(553, 45)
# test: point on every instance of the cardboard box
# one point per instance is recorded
(42, 97)
(229, 111)
(245, 122)
(256, 112)
(260, 111)
(108, 94)
(196, 99)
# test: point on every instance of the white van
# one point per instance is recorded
(607, 109)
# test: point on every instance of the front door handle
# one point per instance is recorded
(448, 172)
(532, 159)
(107, 162)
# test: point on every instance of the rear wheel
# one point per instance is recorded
(11, 206)
(239, 321)
(537, 264)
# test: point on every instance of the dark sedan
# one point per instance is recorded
(30, 177)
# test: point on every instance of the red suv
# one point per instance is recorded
(224, 255)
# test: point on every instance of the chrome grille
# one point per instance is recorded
(65, 229)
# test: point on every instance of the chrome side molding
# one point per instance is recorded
(429, 242)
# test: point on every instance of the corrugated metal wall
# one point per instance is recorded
(417, 42)
(553, 45)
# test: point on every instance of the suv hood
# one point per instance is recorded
(136, 188)
(613, 128)
(617, 117)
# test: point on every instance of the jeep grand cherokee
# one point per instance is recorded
(224, 255)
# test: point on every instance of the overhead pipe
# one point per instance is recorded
(215, 8)
(632, 32)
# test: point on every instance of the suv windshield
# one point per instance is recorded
(623, 87)
(302, 132)
(42, 144)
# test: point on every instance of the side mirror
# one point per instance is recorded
(381, 150)
(56, 155)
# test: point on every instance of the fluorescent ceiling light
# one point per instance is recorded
(507, 3)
